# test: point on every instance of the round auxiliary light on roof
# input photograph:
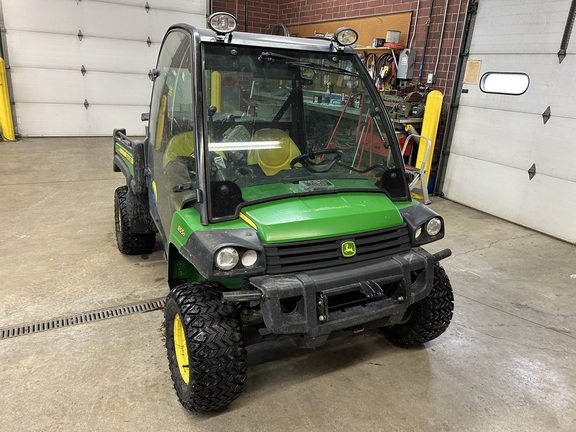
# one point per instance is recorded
(345, 36)
(222, 23)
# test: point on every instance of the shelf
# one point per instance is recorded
(376, 49)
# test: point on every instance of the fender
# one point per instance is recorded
(129, 159)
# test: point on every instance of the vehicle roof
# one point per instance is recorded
(266, 41)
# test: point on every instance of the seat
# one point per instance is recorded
(179, 145)
(419, 175)
(278, 154)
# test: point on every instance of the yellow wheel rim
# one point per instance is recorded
(119, 220)
(181, 349)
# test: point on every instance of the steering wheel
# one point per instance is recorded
(307, 160)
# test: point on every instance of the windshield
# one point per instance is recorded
(283, 123)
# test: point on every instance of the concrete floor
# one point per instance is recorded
(507, 362)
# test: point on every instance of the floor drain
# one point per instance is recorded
(82, 318)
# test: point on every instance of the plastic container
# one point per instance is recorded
(392, 36)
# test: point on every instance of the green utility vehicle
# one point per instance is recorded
(273, 176)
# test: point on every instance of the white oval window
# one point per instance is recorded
(509, 83)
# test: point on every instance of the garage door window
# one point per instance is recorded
(508, 83)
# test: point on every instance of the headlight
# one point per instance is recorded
(424, 224)
(418, 232)
(249, 258)
(433, 226)
(227, 258)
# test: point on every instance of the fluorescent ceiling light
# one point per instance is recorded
(244, 145)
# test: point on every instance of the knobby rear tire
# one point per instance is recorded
(129, 242)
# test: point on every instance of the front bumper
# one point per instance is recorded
(315, 304)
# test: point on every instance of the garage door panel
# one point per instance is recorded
(520, 26)
(185, 6)
(554, 150)
(44, 86)
(124, 22)
(47, 17)
(543, 71)
(197, 8)
(484, 139)
(498, 138)
(544, 203)
(94, 18)
(46, 56)
(488, 187)
(75, 120)
(57, 51)
(507, 140)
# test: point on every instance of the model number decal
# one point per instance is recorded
(181, 231)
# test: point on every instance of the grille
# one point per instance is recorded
(324, 253)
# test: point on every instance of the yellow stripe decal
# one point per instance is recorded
(248, 221)
(126, 155)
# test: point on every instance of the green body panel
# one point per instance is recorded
(403, 204)
(186, 221)
(126, 156)
(289, 220)
(253, 193)
(322, 216)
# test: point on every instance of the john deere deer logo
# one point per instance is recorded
(348, 249)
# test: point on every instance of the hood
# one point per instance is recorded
(321, 216)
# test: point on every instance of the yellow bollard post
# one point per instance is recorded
(6, 123)
(430, 129)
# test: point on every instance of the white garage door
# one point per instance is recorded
(506, 158)
(80, 67)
